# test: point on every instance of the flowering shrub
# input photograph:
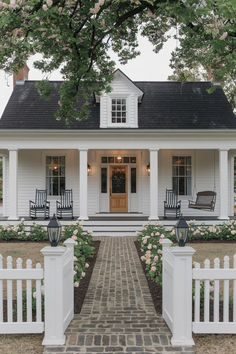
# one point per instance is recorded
(150, 239)
(225, 231)
(151, 235)
(9, 232)
(83, 248)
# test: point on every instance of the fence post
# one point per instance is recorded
(182, 296)
(53, 287)
(166, 244)
(70, 244)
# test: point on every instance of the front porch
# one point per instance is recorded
(118, 186)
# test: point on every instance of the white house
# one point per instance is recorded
(184, 134)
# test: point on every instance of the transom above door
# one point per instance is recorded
(119, 188)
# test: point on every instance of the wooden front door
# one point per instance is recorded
(118, 189)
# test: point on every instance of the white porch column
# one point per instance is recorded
(224, 184)
(83, 184)
(12, 185)
(153, 215)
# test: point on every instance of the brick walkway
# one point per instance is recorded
(118, 313)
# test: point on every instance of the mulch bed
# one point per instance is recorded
(80, 292)
(155, 289)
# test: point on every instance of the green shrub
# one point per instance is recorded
(37, 233)
(83, 250)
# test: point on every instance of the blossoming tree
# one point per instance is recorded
(75, 36)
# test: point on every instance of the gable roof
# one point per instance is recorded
(165, 105)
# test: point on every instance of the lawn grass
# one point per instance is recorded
(213, 250)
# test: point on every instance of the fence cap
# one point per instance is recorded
(182, 251)
(69, 242)
(166, 242)
(55, 251)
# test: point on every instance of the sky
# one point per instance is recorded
(148, 66)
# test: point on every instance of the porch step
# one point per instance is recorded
(113, 230)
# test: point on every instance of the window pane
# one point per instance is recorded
(62, 184)
(133, 180)
(126, 159)
(133, 159)
(103, 180)
(118, 180)
(104, 159)
(181, 186)
(175, 185)
(110, 159)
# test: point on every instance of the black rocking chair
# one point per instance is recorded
(172, 205)
(65, 206)
(40, 206)
(205, 201)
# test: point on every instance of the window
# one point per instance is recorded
(118, 110)
(118, 159)
(133, 180)
(103, 180)
(55, 174)
(182, 174)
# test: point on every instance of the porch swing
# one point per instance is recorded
(205, 200)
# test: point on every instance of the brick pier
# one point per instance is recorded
(118, 315)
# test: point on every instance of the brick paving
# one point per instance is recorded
(118, 315)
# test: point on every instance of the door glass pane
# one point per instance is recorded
(103, 180)
(133, 180)
(118, 180)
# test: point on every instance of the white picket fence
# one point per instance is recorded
(18, 275)
(178, 275)
(58, 275)
(207, 276)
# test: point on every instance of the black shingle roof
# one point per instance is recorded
(165, 105)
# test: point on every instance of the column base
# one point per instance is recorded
(83, 218)
(54, 341)
(223, 218)
(182, 342)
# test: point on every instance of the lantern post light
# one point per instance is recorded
(181, 229)
(89, 169)
(54, 231)
(148, 169)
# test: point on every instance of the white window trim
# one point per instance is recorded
(52, 153)
(118, 125)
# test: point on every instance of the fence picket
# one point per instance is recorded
(9, 292)
(1, 291)
(226, 293)
(19, 291)
(29, 294)
(206, 294)
(197, 296)
(38, 298)
(216, 292)
(234, 292)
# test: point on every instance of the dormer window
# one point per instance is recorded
(118, 110)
